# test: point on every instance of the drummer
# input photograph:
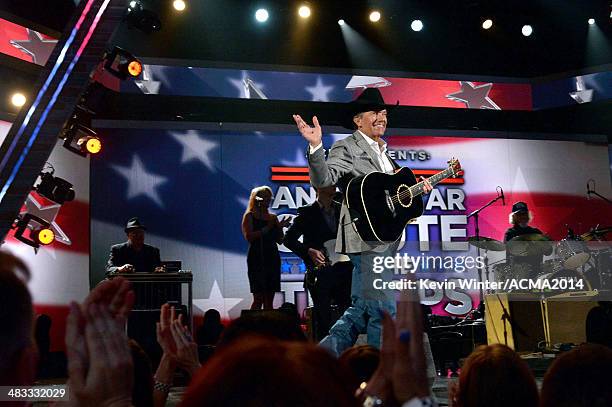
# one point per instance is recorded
(530, 261)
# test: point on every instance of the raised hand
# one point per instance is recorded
(312, 134)
(100, 366)
(164, 330)
(115, 293)
(186, 349)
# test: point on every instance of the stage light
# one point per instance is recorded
(488, 23)
(91, 144)
(591, 21)
(78, 136)
(304, 11)
(139, 17)
(375, 16)
(39, 230)
(341, 22)
(262, 15)
(55, 188)
(134, 68)
(179, 5)
(18, 99)
(416, 25)
(527, 30)
(44, 236)
(121, 63)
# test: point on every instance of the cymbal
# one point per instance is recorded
(531, 237)
(487, 243)
(595, 234)
(534, 244)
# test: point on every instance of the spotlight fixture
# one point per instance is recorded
(122, 64)
(341, 22)
(40, 230)
(304, 11)
(591, 21)
(139, 17)
(179, 5)
(375, 16)
(78, 136)
(262, 15)
(527, 30)
(488, 23)
(55, 188)
(18, 99)
(416, 25)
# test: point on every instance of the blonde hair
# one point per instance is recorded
(512, 218)
(256, 192)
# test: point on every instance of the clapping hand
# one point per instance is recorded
(401, 373)
(285, 222)
(100, 366)
(312, 134)
(176, 341)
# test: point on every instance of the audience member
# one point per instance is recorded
(494, 375)
(273, 324)
(17, 348)
(211, 329)
(142, 393)
(361, 361)
(261, 371)
(579, 378)
(179, 350)
(599, 324)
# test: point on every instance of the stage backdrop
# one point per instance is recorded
(191, 188)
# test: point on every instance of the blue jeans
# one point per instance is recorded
(365, 313)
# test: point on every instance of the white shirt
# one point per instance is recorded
(379, 150)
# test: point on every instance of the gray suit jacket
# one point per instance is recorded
(348, 158)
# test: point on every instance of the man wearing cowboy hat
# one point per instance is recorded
(134, 255)
(356, 155)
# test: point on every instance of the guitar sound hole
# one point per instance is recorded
(404, 196)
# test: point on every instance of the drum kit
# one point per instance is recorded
(587, 256)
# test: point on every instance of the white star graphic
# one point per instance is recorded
(243, 85)
(141, 182)
(147, 85)
(217, 301)
(319, 92)
(48, 213)
(196, 148)
(35, 46)
(474, 97)
(582, 94)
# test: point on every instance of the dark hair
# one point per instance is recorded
(361, 361)
(16, 315)
(579, 378)
(257, 371)
(495, 375)
(142, 393)
(275, 324)
(209, 332)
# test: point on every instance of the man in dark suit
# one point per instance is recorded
(327, 283)
(134, 255)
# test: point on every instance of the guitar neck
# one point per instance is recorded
(417, 189)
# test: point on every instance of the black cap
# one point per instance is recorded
(520, 207)
(134, 223)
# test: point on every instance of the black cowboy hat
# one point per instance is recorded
(369, 100)
(134, 223)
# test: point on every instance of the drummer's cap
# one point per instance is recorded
(520, 207)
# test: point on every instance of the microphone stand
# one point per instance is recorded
(475, 215)
(592, 191)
